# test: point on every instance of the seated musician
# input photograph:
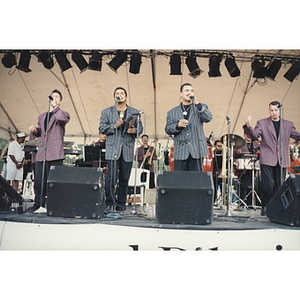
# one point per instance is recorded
(146, 156)
(101, 143)
(294, 162)
(246, 152)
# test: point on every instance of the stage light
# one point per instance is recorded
(95, 62)
(293, 72)
(45, 58)
(135, 63)
(24, 61)
(80, 61)
(62, 61)
(9, 60)
(175, 64)
(232, 67)
(273, 68)
(118, 60)
(214, 66)
(193, 66)
(259, 69)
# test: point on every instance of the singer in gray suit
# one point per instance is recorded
(270, 154)
(185, 123)
(119, 146)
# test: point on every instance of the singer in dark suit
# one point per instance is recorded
(270, 149)
(54, 148)
(119, 146)
(185, 123)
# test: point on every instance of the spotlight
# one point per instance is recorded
(24, 61)
(9, 60)
(175, 63)
(259, 70)
(62, 61)
(117, 61)
(95, 62)
(293, 72)
(232, 67)
(193, 67)
(80, 61)
(273, 68)
(45, 58)
(214, 66)
(135, 63)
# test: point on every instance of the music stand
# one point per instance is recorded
(94, 153)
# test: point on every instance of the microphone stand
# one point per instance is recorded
(229, 195)
(42, 199)
(281, 150)
(197, 131)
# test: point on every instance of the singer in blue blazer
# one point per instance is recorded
(185, 123)
(119, 147)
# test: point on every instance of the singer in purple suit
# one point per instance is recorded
(54, 147)
(270, 149)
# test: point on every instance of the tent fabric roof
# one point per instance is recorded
(23, 96)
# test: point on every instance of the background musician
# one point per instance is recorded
(146, 154)
(217, 167)
(246, 152)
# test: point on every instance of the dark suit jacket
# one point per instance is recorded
(55, 138)
(270, 144)
(185, 139)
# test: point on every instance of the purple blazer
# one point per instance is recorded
(270, 144)
(55, 136)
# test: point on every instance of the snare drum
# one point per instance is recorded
(246, 164)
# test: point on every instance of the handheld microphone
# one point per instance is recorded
(50, 97)
(138, 113)
(118, 98)
(279, 105)
(210, 136)
(192, 97)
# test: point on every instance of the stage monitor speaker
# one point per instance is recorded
(8, 195)
(284, 207)
(184, 198)
(75, 192)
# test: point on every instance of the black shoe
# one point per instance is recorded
(263, 211)
(33, 208)
(120, 208)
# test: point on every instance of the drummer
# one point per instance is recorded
(246, 152)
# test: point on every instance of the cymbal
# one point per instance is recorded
(238, 141)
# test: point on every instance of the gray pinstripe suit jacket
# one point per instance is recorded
(185, 139)
(270, 144)
(55, 138)
(122, 141)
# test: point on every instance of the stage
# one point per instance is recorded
(243, 229)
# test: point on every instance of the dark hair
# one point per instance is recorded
(181, 88)
(145, 135)
(58, 92)
(120, 88)
(217, 141)
(274, 103)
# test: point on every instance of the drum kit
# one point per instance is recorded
(240, 165)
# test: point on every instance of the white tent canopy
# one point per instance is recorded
(23, 96)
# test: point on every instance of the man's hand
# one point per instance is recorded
(119, 123)
(248, 121)
(183, 123)
(131, 130)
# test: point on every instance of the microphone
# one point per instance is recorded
(279, 105)
(138, 113)
(192, 97)
(210, 136)
(50, 97)
(228, 119)
(118, 98)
